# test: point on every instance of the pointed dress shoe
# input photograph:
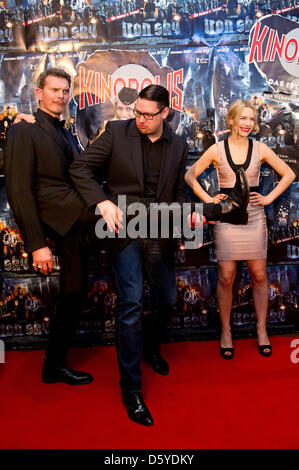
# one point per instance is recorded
(62, 373)
(233, 208)
(157, 362)
(137, 409)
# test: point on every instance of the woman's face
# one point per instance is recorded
(245, 124)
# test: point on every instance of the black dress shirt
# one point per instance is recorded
(152, 156)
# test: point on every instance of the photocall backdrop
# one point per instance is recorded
(207, 53)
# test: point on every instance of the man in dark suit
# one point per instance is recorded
(46, 205)
(145, 161)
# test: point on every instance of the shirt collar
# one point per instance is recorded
(54, 120)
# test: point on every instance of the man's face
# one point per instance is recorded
(54, 97)
(152, 128)
(124, 111)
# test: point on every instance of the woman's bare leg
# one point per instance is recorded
(226, 277)
(258, 273)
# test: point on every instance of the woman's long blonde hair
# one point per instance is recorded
(235, 111)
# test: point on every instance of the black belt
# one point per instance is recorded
(228, 190)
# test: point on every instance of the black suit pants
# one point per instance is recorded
(74, 250)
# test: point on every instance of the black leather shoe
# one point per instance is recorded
(66, 375)
(137, 409)
(233, 208)
(158, 364)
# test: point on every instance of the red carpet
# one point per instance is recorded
(205, 402)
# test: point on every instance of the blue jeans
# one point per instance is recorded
(139, 257)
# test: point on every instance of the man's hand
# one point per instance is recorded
(196, 221)
(112, 215)
(42, 260)
(24, 117)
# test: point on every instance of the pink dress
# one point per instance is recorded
(241, 242)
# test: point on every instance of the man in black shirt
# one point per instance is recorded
(145, 161)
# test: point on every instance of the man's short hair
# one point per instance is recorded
(156, 93)
(53, 72)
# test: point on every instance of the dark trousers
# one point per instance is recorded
(139, 257)
(128, 265)
(73, 249)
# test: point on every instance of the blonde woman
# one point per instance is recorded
(241, 242)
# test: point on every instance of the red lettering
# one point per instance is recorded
(269, 45)
(117, 81)
(291, 41)
(257, 42)
(97, 77)
(177, 101)
(106, 88)
(144, 81)
(169, 84)
(84, 86)
(133, 83)
(277, 46)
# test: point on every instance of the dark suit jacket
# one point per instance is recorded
(119, 151)
(38, 185)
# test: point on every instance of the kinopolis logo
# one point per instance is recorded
(274, 49)
(105, 73)
(106, 86)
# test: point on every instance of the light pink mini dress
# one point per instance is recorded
(241, 242)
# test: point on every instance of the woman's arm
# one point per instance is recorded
(287, 177)
(209, 157)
